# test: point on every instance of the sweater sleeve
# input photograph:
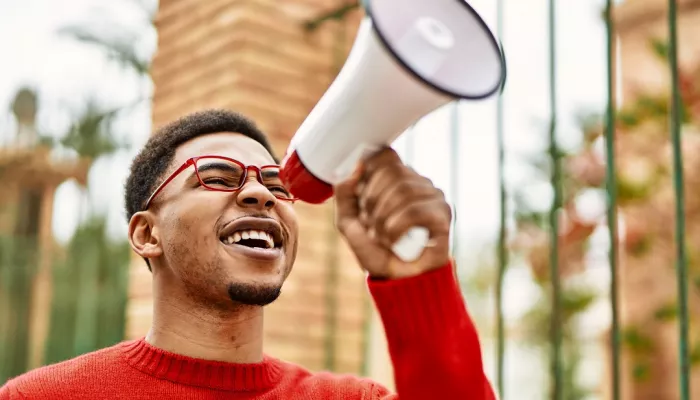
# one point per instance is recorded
(5, 392)
(432, 341)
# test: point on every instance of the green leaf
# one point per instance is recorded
(641, 372)
(695, 354)
(120, 48)
(660, 48)
(636, 341)
(631, 191)
(666, 312)
(91, 136)
(642, 246)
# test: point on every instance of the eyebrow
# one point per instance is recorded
(210, 166)
(270, 173)
(217, 166)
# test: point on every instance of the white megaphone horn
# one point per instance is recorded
(409, 58)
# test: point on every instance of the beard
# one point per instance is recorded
(252, 294)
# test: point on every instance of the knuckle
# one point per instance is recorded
(415, 210)
(448, 212)
(403, 188)
(385, 157)
(369, 202)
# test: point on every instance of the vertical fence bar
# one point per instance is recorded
(502, 253)
(611, 189)
(556, 330)
(678, 181)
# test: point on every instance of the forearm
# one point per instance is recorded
(433, 343)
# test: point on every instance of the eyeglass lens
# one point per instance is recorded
(224, 175)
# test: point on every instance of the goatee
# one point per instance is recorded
(252, 294)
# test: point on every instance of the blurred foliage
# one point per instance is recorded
(90, 135)
(119, 49)
(89, 275)
(644, 196)
(90, 293)
(118, 42)
(89, 280)
(532, 242)
(18, 256)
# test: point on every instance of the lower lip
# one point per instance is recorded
(255, 252)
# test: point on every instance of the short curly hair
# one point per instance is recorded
(154, 159)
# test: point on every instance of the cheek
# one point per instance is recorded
(289, 219)
(189, 230)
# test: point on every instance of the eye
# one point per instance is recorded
(217, 181)
(279, 189)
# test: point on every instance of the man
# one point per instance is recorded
(211, 218)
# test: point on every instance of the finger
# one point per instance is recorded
(380, 160)
(404, 187)
(398, 195)
(433, 214)
(346, 200)
(376, 185)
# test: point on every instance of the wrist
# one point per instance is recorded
(400, 270)
(403, 308)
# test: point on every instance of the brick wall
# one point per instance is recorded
(637, 23)
(256, 58)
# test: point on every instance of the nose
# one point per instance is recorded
(253, 194)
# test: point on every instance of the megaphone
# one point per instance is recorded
(409, 58)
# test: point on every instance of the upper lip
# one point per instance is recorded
(269, 225)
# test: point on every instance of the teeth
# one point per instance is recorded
(251, 234)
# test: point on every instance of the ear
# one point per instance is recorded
(143, 236)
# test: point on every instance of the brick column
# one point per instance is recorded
(255, 57)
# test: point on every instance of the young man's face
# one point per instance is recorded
(202, 231)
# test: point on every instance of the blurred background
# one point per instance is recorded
(83, 83)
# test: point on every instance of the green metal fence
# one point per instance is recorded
(611, 185)
(559, 308)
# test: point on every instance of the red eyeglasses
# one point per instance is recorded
(223, 174)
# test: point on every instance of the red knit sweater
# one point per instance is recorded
(432, 341)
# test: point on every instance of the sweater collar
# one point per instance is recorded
(203, 373)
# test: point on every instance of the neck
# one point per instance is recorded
(183, 326)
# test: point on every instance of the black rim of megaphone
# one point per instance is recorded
(498, 87)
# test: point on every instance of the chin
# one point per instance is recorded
(254, 293)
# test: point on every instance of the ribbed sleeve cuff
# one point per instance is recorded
(421, 307)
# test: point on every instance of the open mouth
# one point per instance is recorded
(253, 233)
(251, 238)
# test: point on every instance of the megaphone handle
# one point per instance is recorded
(410, 246)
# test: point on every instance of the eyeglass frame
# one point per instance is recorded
(192, 162)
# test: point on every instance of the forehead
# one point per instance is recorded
(227, 144)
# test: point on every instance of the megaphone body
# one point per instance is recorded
(409, 58)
